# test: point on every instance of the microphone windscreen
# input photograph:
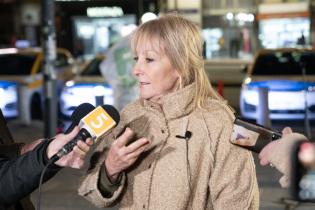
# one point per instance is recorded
(112, 111)
(81, 111)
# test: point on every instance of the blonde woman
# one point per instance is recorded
(171, 149)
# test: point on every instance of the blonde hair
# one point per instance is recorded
(182, 43)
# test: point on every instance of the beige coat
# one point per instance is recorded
(206, 173)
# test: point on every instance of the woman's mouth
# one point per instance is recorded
(144, 83)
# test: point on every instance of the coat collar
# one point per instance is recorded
(175, 104)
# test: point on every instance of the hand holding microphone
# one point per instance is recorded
(75, 159)
(273, 147)
(93, 125)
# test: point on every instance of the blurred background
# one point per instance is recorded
(259, 55)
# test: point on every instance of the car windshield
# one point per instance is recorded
(92, 69)
(16, 64)
(285, 63)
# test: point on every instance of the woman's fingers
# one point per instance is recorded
(124, 138)
(136, 145)
(286, 131)
(136, 153)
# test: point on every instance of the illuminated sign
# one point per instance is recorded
(104, 12)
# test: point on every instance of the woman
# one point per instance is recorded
(175, 151)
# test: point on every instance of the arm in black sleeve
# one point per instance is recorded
(11, 150)
(20, 176)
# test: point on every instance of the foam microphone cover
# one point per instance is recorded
(81, 111)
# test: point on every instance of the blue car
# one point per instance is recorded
(289, 76)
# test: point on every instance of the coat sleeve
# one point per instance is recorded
(90, 185)
(232, 183)
(11, 150)
(20, 176)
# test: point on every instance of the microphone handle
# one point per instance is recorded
(67, 148)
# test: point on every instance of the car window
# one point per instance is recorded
(16, 64)
(284, 63)
(93, 68)
(308, 60)
(62, 60)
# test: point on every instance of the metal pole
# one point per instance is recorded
(49, 75)
(307, 125)
(263, 117)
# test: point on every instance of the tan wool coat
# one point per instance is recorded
(204, 172)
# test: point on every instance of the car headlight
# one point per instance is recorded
(99, 90)
(70, 83)
(247, 80)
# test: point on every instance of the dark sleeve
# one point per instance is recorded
(5, 135)
(106, 187)
(20, 176)
(11, 150)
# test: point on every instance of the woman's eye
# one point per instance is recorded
(149, 59)
(135, 58)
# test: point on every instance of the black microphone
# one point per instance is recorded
(94, 125)
(187, 136)
(79, 112)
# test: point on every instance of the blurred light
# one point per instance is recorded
(8, 51)
(72, 0)
(99, 90)
(70, 83)
(86, 31)
(251, 17)
(1, 90)
(127, 29)
(148, 16)
(229, 16)
(247, 80)
(104, 12)
(242, 17)
(22, 44)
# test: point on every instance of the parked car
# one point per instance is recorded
(22, 80)
(88, 86)
(289, 76)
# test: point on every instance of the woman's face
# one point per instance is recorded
(154, 71)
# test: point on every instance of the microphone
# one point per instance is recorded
(256, 136)
(187, 136)
(94, 125)
(78, 114)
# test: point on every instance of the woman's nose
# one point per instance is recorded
(136, 69)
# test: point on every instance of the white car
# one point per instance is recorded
(22, 81)
(87, 87)
(289, 76)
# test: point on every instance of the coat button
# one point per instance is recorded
(149, 166)
(143, 206)
(162, 131)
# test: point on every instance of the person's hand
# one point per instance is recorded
(278, 154)
(75, 159)
(30, 146)
(121, 156)
(306, 154)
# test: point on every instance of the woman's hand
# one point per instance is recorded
(121, 156)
